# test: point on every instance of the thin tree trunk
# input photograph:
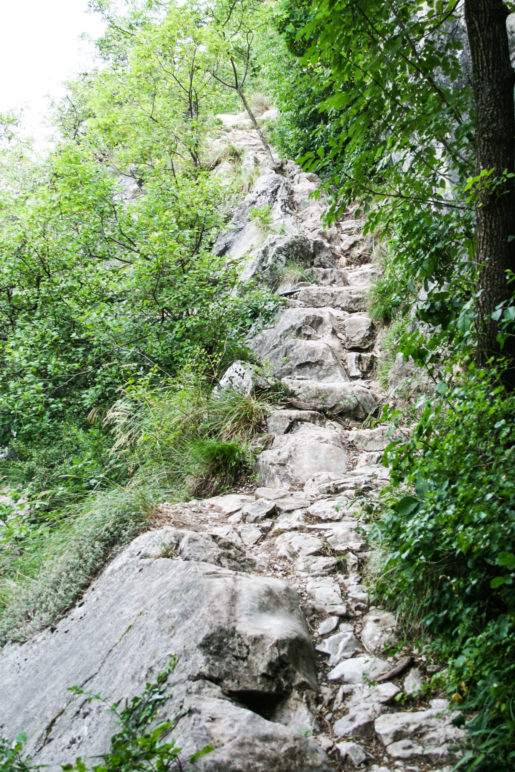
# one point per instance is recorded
(493, 82)
(257, 127)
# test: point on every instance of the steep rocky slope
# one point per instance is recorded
(281, 662)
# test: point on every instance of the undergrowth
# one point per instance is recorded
(177, 442)
(294, 272)
(447, 532)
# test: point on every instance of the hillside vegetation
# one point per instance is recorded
(116, 316)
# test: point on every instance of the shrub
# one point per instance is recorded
(448, 540)
(44, 571)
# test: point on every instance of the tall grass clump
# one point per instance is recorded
(187, 437)
(175, 443)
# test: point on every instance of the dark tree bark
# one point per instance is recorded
(493, 83)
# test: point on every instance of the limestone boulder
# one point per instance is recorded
(378, 630)
(328, 276)
(340, 646)
(313, 324)
(283, 421)
(352, 671)
(352, 399)
(242, 650)
(428, 733)
(278, 251)
(310, 359)
(245, 234)
(358, 329)
(241, 377)
(358, 364)
(293, 458)
(344, 298)
(363, 704)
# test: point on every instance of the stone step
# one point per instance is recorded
(358, 364)
(283, 421)
(343, 298)
(337, 397)
(330, 276)
(294, 458)
(357, 330)
(320, 360)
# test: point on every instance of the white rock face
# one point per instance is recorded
(342, 298)
(426, 733)
(293, 458)
(358, 330)
(352, 753)
(342, 398)
(378, 631)
(413, 682)
(283, 421)
(353, 671)
(340, 646)
(363, 704)
(225, 627)
(298, 324)
(239, 377)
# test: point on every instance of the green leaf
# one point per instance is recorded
(406, 505)
(506, 559)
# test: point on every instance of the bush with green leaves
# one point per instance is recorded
(448, 541)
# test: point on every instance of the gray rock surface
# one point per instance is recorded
(358, 330)
(293, 458)
(241, 377)
(363, 704)
(338, 397)
(245, 634)
(378, 631)
(429, 733)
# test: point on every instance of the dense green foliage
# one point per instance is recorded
(449, 566)
(109, 286)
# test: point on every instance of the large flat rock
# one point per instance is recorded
(353, 399)
(244, 660)
(294, 458)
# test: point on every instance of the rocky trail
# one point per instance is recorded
(282, 663)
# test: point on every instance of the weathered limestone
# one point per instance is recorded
(358, 330)
(349, 299)
(243, 633)
(294, 457)
(312, 324)
(337, 397)
(428, 733)
(363, 704)
(378, 631)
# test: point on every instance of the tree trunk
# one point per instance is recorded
(493, 83)
(252, 117)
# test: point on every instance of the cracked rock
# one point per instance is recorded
(378, 630)
(340, 646)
